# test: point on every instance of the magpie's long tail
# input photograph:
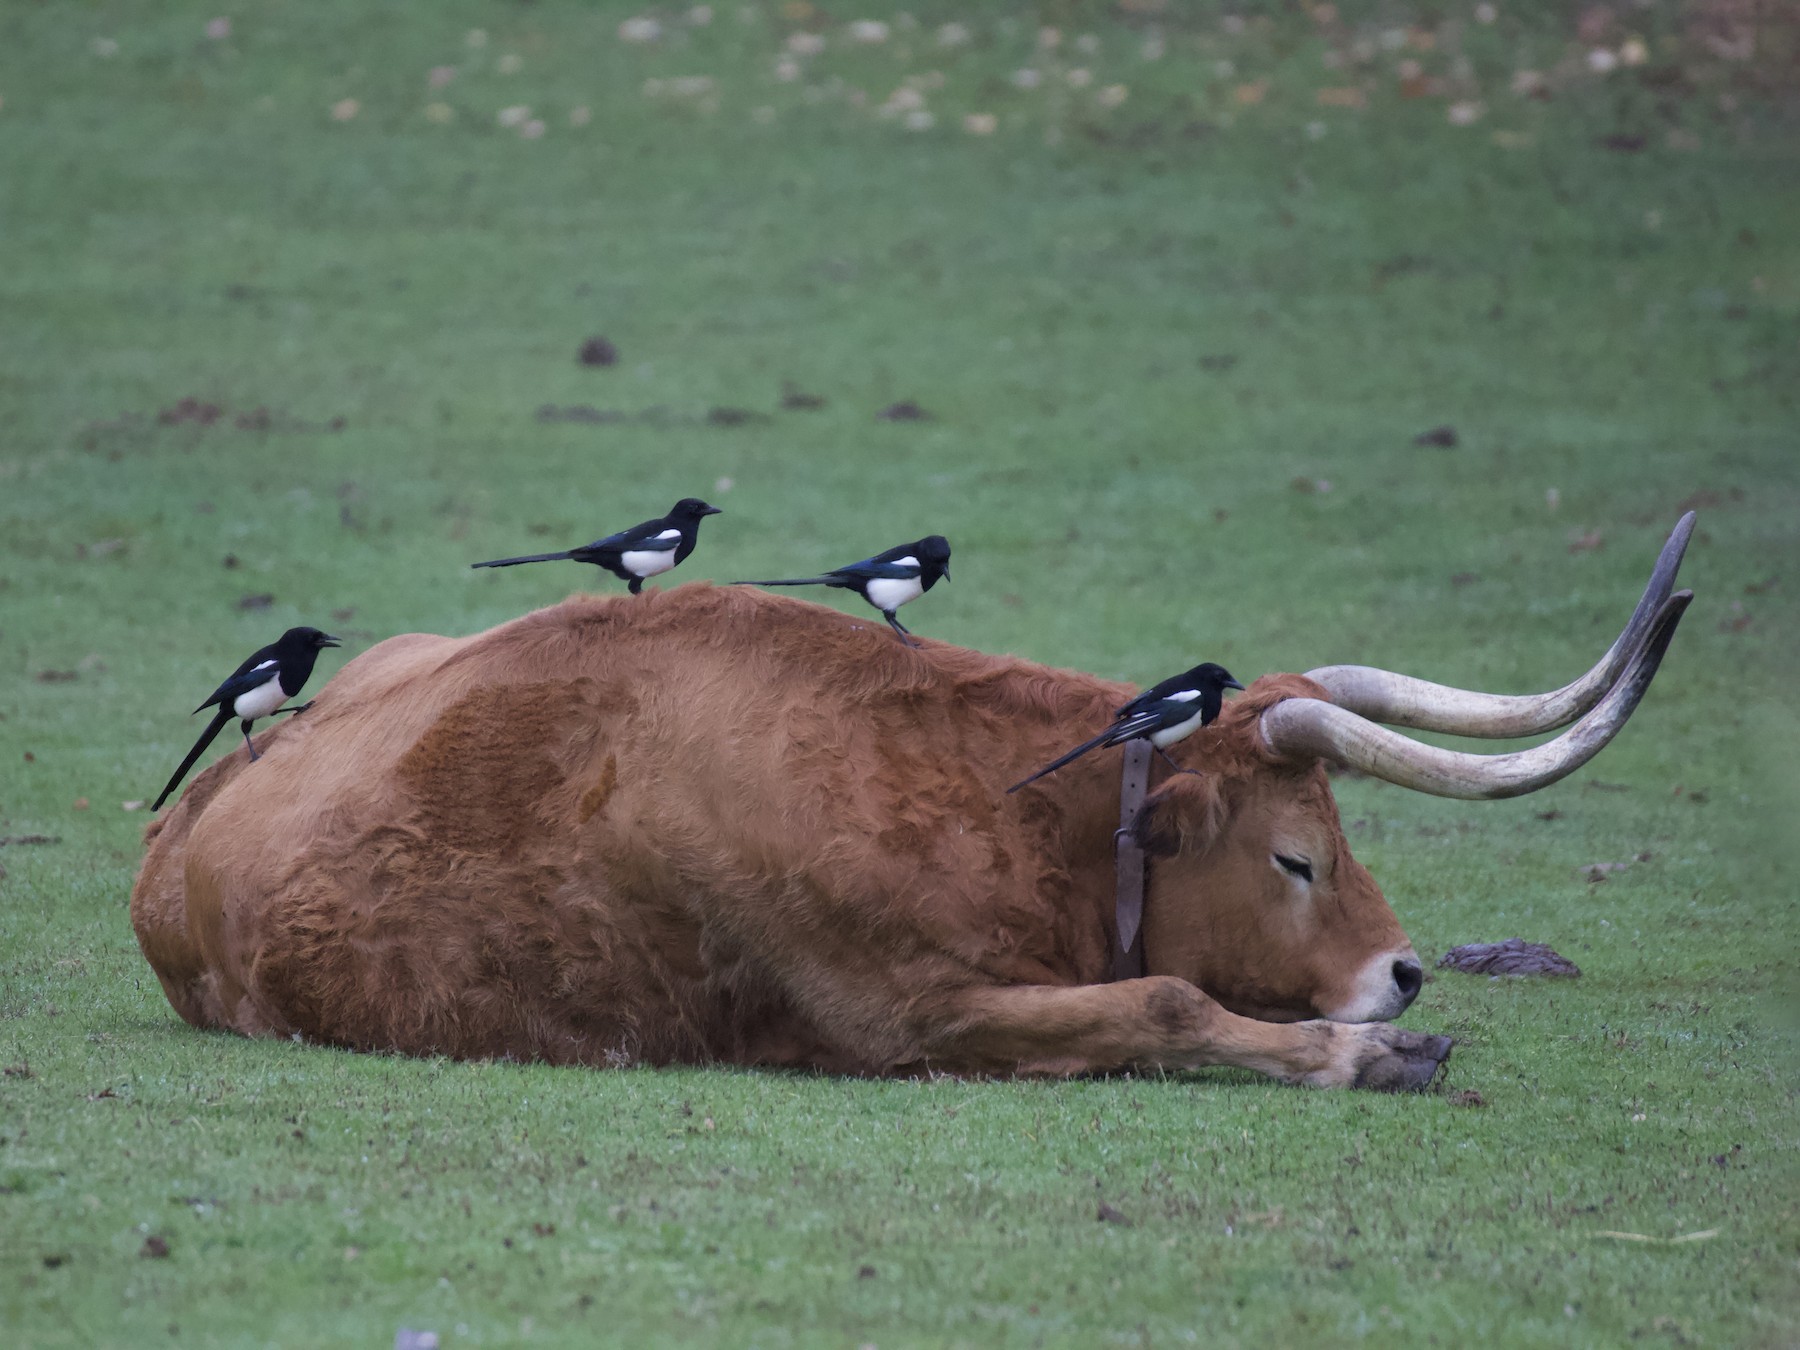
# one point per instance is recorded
(535, 557)
(213, 728)
(1108, 737)
(795, 581)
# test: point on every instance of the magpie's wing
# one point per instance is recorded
(250, 675)
(645, 538)
(1160, 692)
(879, 569)
(1150, 718)
(263, 658)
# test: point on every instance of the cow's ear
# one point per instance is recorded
(1185, 813)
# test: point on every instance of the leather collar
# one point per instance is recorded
(1128, 854)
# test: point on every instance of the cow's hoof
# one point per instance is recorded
(1401, 1061)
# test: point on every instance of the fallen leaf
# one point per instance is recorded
(734, 417)
(20, 1070)
(30, 838)
(80, 804)
(795, 400)
(1107, 1214)
(262, 600)
(1469, 1098)
(1348, 96)
(155, 1248)
(1586, 543)
(104, 1094)
(1599, 871)
(56, 676)
(136, 804)
(598, 351)
(1252, 93)
(1514, 956)
(1444, 436)
(230, 562)
(904, 411)
(865, 1272)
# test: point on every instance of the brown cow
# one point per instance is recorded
(718, 825)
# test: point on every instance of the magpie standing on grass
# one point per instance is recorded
(257, 689)
(1163, 714)
(888, 580)
(637, 554)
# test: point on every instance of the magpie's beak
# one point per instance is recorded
(326, 640)
(712, 510)
(946, 571)
(1232, 684)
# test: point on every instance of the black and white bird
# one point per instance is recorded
(637, 554)
(1163, 714)
(257, 689)
(888, 580)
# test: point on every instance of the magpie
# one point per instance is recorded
(888, 580)
(256, 689)
(1163, 714)
(636, 554)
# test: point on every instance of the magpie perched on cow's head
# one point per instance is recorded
(1163, 714)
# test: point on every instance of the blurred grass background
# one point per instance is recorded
(290, 303)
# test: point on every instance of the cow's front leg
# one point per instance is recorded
(1164, 1022)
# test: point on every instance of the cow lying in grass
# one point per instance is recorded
(718, 825)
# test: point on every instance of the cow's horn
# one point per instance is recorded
(1299, 727)
(1402, 701)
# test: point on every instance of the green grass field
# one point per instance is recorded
(1177, 319)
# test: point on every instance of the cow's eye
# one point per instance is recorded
(1295, 867)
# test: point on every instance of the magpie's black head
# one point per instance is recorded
(934, 552)
(307, 639)
(693, 508)
(1214, 676)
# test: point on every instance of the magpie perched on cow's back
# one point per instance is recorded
(888, 580)
(258, 688)
(637, 554)
(1163, 714)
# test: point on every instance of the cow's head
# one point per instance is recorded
(1252, 891)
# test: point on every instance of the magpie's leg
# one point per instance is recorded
(1173, 765)
(296, 711)
(898, 627)
(637, 586)
(245, 726)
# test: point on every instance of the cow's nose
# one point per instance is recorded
(1408, 976)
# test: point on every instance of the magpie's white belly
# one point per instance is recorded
(647, 562)
(1163, 739)
(261, 701)
(888, 593)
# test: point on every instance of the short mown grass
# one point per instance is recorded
(1175, 353)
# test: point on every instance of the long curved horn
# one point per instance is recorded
(1402, 701)
(1299, 727)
